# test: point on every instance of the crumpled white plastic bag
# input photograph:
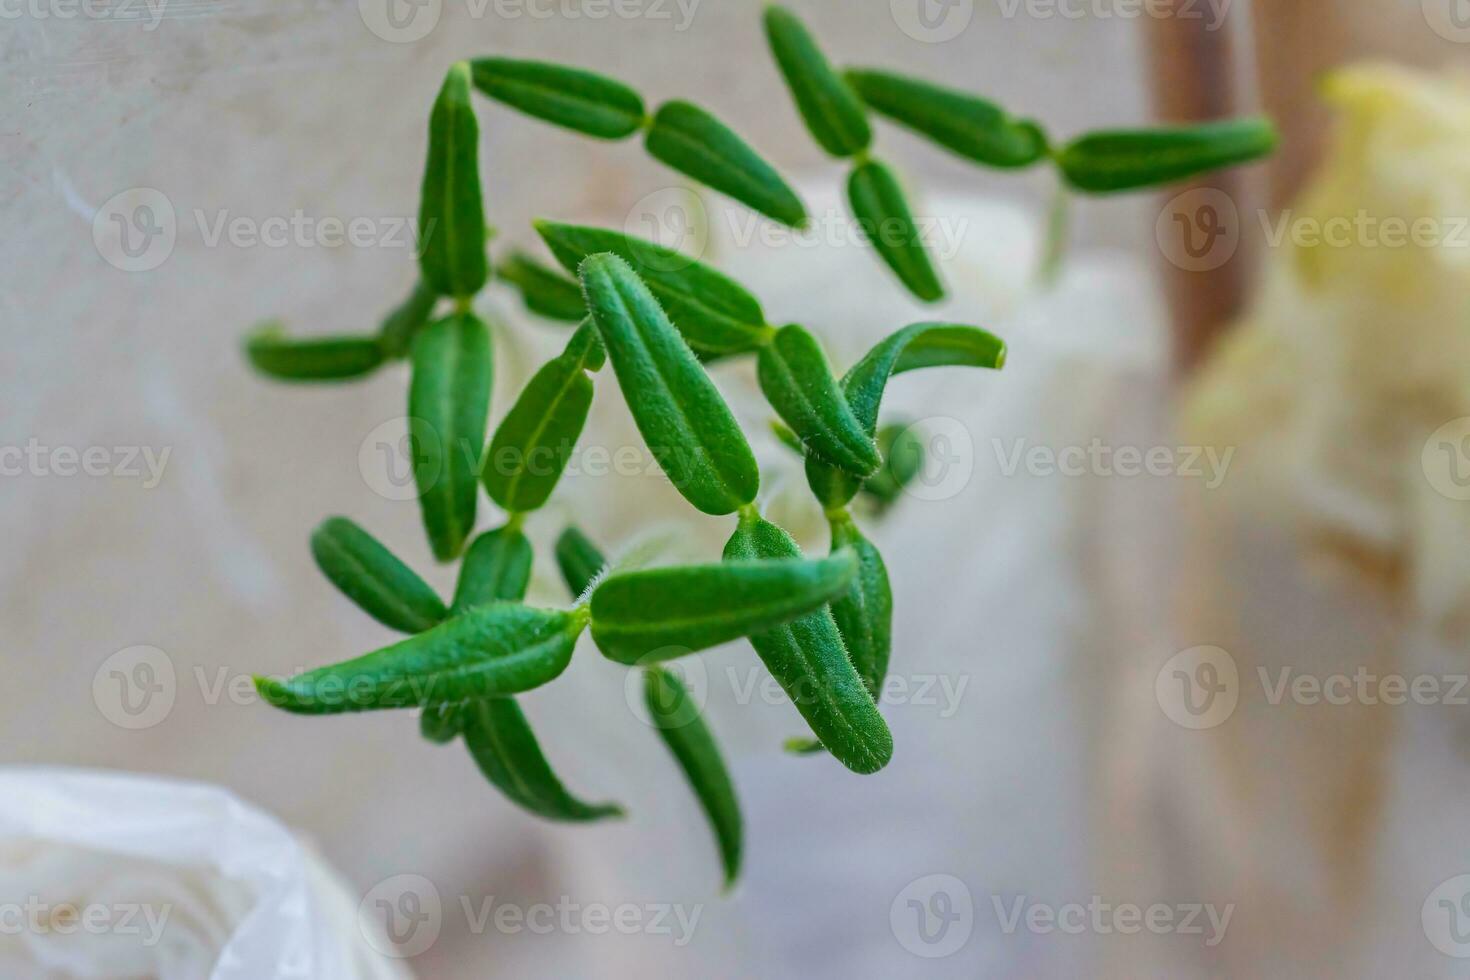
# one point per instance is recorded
(107, 875)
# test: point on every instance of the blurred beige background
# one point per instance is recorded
(257, 110)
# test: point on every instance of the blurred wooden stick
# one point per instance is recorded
(1295, 41)
(1192, 62)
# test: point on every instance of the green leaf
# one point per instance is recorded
(803, 745)
(571, 97)
(788, 438)
(966, 124)
(715, 314)
(545, 291)
(502, 744)
(832, 111)
(1123, 160)
(918, 345)
(684, 731)
(696, 144)
(884, 217)
(317, 359)
(678, 410)
(403, 324)
(797, 381)
(488, 651)
(368, 574)
(807, 658)
(903, 459)
(661, 613)
(451, 216)
(534, 442)
(448, 401)
(864, 613)
(579, 560)
(496, 568)
(442, 723)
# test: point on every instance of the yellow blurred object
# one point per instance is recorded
(1343, 387)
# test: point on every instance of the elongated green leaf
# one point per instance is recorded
(695, 143)
(405, 321)
(966, 124)
(579, 560)
(315, 359)
(368, 574)
(443, 723)
(714, 313)
(918, 345)
(535, 440)
(1123, 160)
(502, 744)
(663, 613)
(807, 658)
(864, 613)
(496, 568)
(489, 651)
(545, 291)
(571, 97)
(803, 745)
(832, 111)
(451, 216)
(797, 381)
(684, 731)
(903, 459)
(883, 215)
(678, 410)
(450, 396)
